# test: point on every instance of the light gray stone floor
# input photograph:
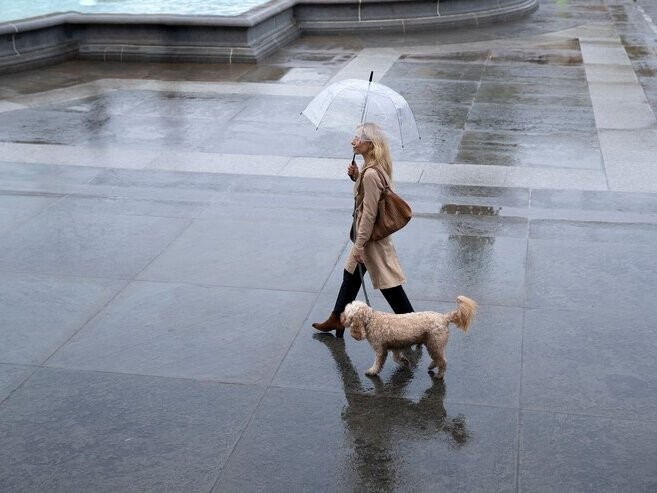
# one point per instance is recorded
(168, 233)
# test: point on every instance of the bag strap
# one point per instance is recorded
(386, 183)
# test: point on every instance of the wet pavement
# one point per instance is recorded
(169, 233)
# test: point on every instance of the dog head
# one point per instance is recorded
(355, 316)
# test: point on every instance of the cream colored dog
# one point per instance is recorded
(387, 331)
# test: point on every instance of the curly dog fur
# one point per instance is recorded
(387, 331)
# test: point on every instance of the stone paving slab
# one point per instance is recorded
(219, 251)
(556, 453)
(633, 168)
(70, 430)
(75, 244)
(189, 331)
(46, 311)
(517, 149)
(17, 208)
(576, 362)
(60, 154)
(11, 376)
(555, 268)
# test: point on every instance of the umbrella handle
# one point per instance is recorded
(353, 161)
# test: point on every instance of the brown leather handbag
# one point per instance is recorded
(393, 214)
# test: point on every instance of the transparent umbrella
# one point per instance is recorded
(347, 103)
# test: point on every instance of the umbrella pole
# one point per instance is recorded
(367, 95)
(362, 116)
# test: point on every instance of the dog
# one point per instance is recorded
(387, 331)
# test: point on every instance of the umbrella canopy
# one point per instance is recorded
(347, 103)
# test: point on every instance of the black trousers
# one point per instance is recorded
(396, 297)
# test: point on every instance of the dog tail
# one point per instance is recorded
(464, 313)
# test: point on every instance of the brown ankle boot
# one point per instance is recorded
(332, 323)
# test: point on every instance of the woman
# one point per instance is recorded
(377, 257)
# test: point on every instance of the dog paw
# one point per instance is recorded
(436, 376)
(371, 372)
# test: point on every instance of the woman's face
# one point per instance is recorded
(360, 146)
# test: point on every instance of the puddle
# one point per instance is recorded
(313, 57)
(470, 56)
(569, 44)
(557, 59)
(472, 210)
(306, 75)
(646, 72)
(564, 59)
(265, 73)
(618, 13)
(472, 246)
(636, 52)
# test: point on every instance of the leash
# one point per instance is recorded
(362, 282)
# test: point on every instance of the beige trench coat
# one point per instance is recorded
(380, 256)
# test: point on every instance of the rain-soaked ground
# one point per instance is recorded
(169, 232)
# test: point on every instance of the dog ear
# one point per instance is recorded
(358, 325)
(347, 315)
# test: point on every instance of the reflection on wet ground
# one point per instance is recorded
(379, 426)
(474, 210)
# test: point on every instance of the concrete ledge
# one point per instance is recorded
(245, 38)
(196, 44)
(313, 167)
(330, 17)
(20, 50)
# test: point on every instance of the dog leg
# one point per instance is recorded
(379, 360)
(442, 364)
(436, 352)
(400, 358)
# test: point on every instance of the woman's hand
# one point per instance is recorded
(358, 255)
(352, 171)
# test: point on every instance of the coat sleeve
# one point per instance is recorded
(372, 187)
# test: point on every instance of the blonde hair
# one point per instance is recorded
(379, 154)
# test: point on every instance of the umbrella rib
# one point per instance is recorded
(401, 134)
(330, 104)
(414, 120)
